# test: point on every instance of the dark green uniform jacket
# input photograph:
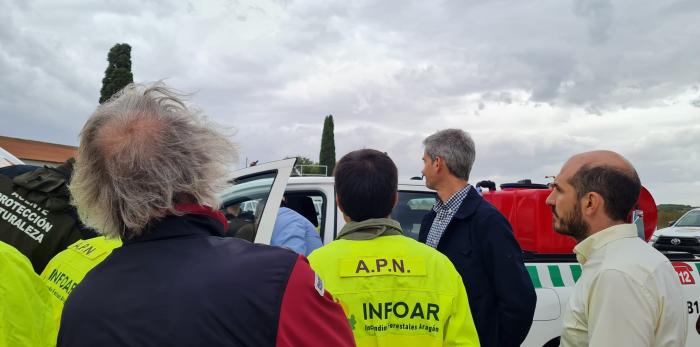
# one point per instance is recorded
(35, 212)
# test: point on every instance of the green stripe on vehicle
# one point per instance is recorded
(697, 265)
(575, 271)
(555, 275)
(532, 270)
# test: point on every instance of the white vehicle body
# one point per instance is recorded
(6, 158)
(553, 275)
(682, 236)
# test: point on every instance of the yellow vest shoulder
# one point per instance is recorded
(65, 270)
(334, 258)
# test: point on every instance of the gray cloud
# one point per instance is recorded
(599, 14)
(533, 81)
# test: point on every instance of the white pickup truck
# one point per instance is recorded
(553, 275)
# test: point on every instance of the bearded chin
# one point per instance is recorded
(573, 225)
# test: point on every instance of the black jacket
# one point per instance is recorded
(480, 243)
(180, 284)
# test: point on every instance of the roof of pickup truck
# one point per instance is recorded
(330, 180)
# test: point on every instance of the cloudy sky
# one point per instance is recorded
(533, 81)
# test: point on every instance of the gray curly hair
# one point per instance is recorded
(142, 152)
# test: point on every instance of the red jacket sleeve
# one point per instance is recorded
(309, 316)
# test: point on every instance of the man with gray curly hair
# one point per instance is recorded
(478, 240)
(148, 171)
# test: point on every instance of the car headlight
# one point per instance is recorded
(653, 238)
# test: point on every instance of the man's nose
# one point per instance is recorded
(550, 198)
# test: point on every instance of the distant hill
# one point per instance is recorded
(669, 212)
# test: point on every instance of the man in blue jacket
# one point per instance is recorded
(294, 231)
(478, 240)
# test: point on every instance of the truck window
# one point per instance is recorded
(244, 203)
(411, 208)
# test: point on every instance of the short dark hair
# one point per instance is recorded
(366, 182)
(619, 188)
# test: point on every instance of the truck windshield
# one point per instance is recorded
(690, 219)
(410, 209)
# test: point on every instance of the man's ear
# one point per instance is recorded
(438, 163)
(592, 203)
(396, 199)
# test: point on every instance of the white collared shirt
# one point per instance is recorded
(628, 294)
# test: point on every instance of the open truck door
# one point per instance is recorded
(253, 199)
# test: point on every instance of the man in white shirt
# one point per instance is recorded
(628, 293)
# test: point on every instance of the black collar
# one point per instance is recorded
(188, 225)
(469, 204)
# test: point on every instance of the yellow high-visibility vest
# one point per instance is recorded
(67, 268)
(25, 304)
(397, 292)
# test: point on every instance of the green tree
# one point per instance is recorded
(302, 160)
(118, 74)
(310, 168)
(327, 156)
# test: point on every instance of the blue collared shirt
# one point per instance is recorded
(295, 232)
(445, 212)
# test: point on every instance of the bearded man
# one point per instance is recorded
(628, 293)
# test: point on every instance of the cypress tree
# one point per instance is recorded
(118, 74)
(327, 155)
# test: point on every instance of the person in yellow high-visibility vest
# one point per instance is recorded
(395, 291)
(25, 304)
(65, 270)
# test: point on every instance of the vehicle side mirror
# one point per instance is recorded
(671, 223)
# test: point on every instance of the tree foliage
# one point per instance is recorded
(302, 160)
(310, 167)
(327, 155)
(118, 74)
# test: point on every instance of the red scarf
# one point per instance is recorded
(204, 210)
